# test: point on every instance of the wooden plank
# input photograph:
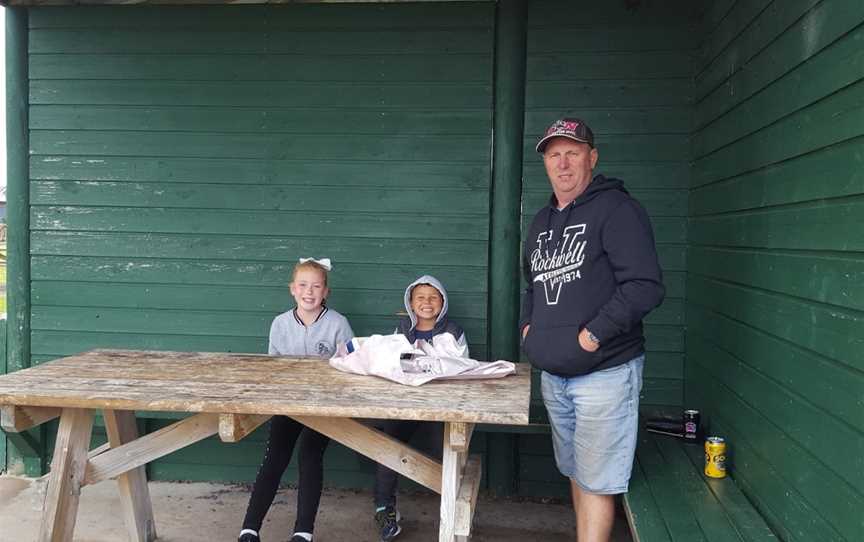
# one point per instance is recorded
(238, 298)
(262, 274)
(763, 461)
(279, 48)
(704, 504)
(235, 427)
(471, 201)
(786, 183)
(803, 426)
(258, 384)
(20, 418)
(254, 145)
(776, 143)
(784, 52)
(203, 322)
(827, 385)
(670, 499)
(827, 330)
(750, 525)
(451, 478)
(121, 429)
(406, 16)
(67, 475)
(835, 67)
(363, 66)
(380, 447)
(304, 172)
(460, 436)
(276, 94)
(243, 248)
(643, 514)
(262, 120)
(466, 501)
(153, 446)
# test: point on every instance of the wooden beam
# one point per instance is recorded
(236, 427)
(380, 447)
(466, 501)
(67, 474)
(121, 427)
(460, 436)
(14, 419)
(139, 452)
(451, 470)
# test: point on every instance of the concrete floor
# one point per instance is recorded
(197, 512)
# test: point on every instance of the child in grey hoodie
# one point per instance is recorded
(426, 303)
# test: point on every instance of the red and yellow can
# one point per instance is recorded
(715, 457)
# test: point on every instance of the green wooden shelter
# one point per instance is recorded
(168, 163)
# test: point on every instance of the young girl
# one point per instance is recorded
(310, 329)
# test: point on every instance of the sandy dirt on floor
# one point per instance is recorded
(201, 512)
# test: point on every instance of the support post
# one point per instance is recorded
(67, 475)
(3, 444)
(505, 231)
(134, 493)
(18, 219)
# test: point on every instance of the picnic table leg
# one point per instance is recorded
(67, 473)
(451, 478)
(134, 494)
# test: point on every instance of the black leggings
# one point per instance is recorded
(284, 433)
(430, 439)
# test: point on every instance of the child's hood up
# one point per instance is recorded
(431, 281)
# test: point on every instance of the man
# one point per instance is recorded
(592, 273)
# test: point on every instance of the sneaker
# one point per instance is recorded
(297, 538)
(388, 522)
(248, 537)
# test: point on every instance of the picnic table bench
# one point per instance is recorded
(671, 500)
(230, 395)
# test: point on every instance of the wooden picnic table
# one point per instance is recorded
(232, 394)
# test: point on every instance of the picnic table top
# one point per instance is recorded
(257, 384)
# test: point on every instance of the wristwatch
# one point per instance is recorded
(591, 337)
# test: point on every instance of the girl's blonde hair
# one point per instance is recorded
(309, 266)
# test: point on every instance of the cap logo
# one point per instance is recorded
(563, 126)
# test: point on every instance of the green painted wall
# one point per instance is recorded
(3, 448)
(775, 310)
(171, 194)
(627, 72)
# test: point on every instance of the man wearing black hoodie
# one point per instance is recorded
(592, 273)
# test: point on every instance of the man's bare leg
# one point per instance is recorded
(595, 514)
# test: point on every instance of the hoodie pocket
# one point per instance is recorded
(557, 349)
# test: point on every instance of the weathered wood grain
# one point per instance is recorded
(67, 475)
(379, 446)
(257, 384)
(466, 500)
(141, 451)
(460, 436)
(235, 427)
(121, 429)
(451, 479)
(14, 419)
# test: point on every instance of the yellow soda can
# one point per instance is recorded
(715, 457)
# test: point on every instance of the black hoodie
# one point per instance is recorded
(590, 265)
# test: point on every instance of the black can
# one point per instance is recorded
(691, 424)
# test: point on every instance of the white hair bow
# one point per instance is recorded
(323, 262)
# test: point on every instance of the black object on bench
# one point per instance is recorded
(671, 500)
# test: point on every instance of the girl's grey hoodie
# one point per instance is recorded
(289, 337)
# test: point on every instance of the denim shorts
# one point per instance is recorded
(594, 421)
